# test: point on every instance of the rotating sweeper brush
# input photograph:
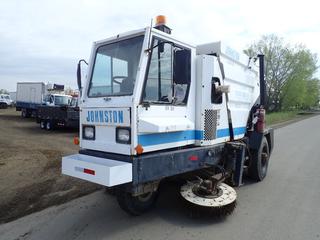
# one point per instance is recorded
(209, 197)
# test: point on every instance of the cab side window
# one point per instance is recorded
(169, 74)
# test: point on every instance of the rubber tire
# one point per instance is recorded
(49, 125)
(257, 169)
(133, 205)
(3, 106)
(43, 124)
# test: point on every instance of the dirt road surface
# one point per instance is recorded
(30, 166)
(284, 206)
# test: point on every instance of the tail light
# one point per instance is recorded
(261, 123)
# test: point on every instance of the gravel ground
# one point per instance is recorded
(30, 167)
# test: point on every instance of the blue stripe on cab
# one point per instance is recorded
(171, 137)
(239, 131)
(198, 135)
(223, 133)
(167, 137)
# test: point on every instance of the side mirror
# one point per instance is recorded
(182, 66)
(79, 74)
(161, 47)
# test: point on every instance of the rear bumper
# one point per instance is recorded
(103, 171)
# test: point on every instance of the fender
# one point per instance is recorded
(255, 139)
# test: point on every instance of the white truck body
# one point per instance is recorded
(30, 92)
(167, 126)
(5, 101)
(243, 80)
(160, 126)
(30, 95)
(13, 96)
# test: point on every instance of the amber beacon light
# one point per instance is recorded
(161, 24)
(160, 20)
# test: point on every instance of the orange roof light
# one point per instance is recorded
(160, 20)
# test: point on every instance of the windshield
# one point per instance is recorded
(168, 75)
(62, 100)
(115, 68)
(74, 102)
(7, 97)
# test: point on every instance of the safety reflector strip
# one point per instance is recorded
(89, 171)
(193, 158)
(85, 170)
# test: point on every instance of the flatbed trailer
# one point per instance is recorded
(50, 117)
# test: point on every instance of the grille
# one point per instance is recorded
(210, 124)
(73, 114)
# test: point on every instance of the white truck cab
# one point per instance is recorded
(154, 107)
(5, 101)
(57, 99)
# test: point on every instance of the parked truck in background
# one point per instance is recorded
(30, 95)
(13, 96)
(63, 113)
(5, 101)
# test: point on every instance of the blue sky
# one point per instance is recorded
(43, 40)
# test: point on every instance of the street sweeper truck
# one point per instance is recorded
(154, 107)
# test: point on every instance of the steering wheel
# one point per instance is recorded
(116, 81)
(164, 98)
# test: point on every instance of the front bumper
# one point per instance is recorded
(103, 171)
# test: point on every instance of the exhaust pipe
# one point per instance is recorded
(262, 80)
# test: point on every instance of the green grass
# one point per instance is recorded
(278, 117)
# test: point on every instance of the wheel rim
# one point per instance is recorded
(42, 125)
(48, 125)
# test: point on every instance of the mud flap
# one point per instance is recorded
(255, 139)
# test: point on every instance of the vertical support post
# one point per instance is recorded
(236, 153)
(262, 80)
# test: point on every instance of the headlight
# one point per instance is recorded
(123, 135)
(88, 132)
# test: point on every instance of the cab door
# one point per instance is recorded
(164, 119)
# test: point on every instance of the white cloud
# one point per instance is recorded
(52, 35)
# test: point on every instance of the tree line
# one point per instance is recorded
(3, 91)
(289, 74)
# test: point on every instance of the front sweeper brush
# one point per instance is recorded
(203, 199)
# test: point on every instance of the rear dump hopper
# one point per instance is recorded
(224, 113)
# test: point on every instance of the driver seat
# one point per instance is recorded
(126, 85)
